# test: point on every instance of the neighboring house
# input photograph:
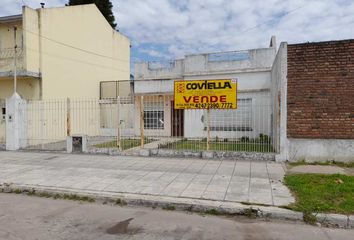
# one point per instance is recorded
(61, 53)
(252, 68)
(313, 89)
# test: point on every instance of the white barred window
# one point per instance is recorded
(154, 115)
(239, 119)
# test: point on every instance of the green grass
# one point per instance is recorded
(219, 146)
(326, 163)
(125, 143)
(322, 193)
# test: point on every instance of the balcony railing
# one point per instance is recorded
(7, 60)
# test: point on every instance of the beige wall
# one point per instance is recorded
(28, 88)
(7, 34)
(7, 47)
(67, 71)
(31, 40)
(113, 89)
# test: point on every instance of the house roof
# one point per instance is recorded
(12, 18)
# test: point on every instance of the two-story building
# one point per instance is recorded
(60, 52)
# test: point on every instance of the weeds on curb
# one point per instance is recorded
(250, 212)
(17, 191)
(77, 198)
(169, 207)
(120, 202)
(213, 211)
(32, 192)
(309, 218)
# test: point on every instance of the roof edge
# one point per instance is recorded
(11, 18)
(323, 42)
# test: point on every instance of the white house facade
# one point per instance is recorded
(252, 69)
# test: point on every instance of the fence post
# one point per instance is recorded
(16, 123)
(68, 118)
(118, 125)
(208, 129)
(142, 121)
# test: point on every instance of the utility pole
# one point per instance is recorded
(15, 59)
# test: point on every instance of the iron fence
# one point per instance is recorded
(129, 123)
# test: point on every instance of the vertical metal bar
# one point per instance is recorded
(142, 121)
(208, 129)
(68, 118)
(117, 89)
(15, 60)
(118, 125)
(42, 105)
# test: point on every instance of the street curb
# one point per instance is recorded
(186, 204)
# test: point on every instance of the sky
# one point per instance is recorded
(168, 29)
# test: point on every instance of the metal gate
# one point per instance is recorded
(45, 124)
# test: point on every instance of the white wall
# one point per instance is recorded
(246, 80)
(320, 150)
(153, 87)
(194, 127)
(278, 97)
(152, 70)
(254, 59)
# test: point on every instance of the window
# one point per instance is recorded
(239, 119)
(154, 115)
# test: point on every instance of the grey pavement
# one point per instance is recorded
(34, 218)
(257, 182)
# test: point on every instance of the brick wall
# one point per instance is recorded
(321, 90)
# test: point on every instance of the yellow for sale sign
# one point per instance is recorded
(205, 94)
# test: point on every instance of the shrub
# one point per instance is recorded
(245, 139)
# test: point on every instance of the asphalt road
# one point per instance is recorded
(28, 217)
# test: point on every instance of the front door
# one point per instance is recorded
(177, 120)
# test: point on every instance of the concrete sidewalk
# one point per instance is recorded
(227, 181)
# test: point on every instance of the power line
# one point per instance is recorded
(264, 22)
(79, 61)
(283, 15)
(73, 47)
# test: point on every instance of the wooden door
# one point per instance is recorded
(177, 121)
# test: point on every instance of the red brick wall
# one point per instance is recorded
(321, 90)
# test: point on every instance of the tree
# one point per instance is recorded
(105, 6)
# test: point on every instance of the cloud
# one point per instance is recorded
(175, 28)
(218, 25)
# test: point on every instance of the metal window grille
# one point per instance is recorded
(154, 115)
(239, 119)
